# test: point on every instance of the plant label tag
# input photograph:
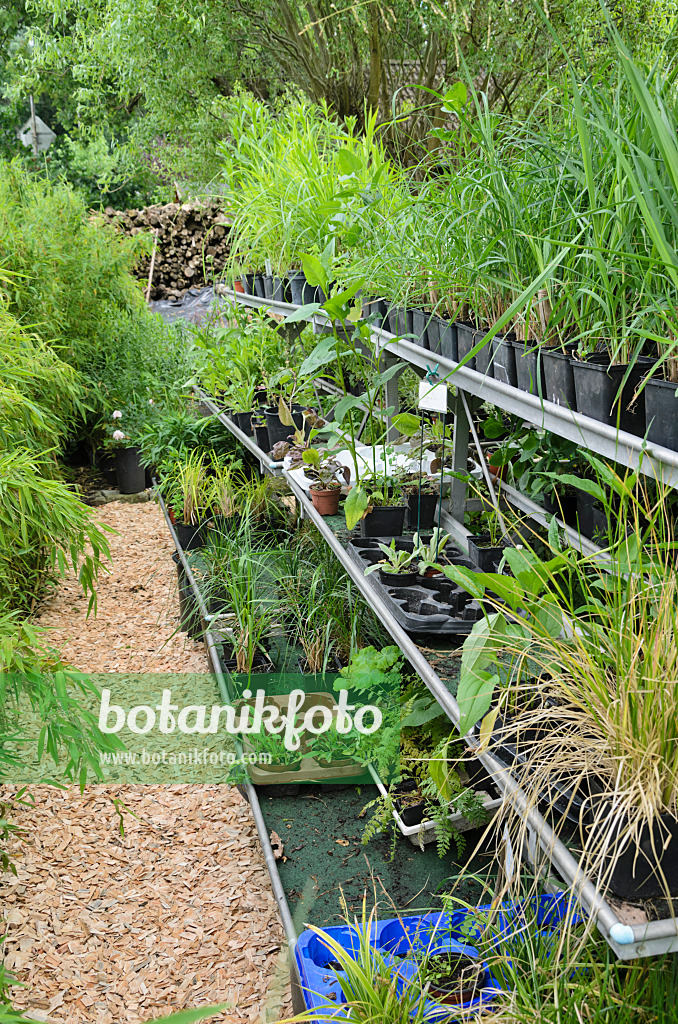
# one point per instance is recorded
(432, 397)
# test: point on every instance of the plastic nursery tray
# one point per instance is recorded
(310, 770)
(425, 832)
(434, 605)
(396, 939)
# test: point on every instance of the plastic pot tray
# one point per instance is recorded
(420, 835)
(310, 770)
(436, 605)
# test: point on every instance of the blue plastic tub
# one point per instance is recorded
(396, 938)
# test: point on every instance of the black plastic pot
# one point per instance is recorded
(634, 868)
(420, 321)
(565, 509)
(597, 385)
(243, 421)
(465, 335)
(268, 286)
(449, 347)
(387, 521)
(433, 333)
(281, 290)
(421, 508)
(190, 537)
(400, 320)
(130, 473)
(258, 286)
(504, 361)
(559, 379)
(277, 431)
(261, 437)
(485, 358)
(247, 281)
(586, 504)
(661, 413)
(401, 579)
(529, 368)
(189, 614)
(482, 553)
(296, 280)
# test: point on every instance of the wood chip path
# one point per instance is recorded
(177, 912)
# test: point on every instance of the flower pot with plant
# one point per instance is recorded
(188, 492)
(127, 456)
(395, 569)
(430, 551)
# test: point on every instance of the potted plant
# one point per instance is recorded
(188, 492)
(430, 553)
(486, 548)
(331, 748)
(395, 569)
(319, 465)
(453, 973)
(272, 746)
(129, 468)
(423, 496)
(602, 714)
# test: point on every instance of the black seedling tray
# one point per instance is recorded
(435, 606)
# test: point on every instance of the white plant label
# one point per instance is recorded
(432, 397)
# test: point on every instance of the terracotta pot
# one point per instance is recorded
(326, 500)
(237, 286)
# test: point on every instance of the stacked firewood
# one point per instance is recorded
(191, 247)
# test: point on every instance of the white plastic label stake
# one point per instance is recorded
(432, 397)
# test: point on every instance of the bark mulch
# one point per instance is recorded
(177, 911)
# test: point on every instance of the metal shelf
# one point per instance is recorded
(636, 453)
(627, 941)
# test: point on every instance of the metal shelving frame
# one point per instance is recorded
(543, 848)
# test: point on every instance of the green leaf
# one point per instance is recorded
(311, 457)
(407, 424)
(423, 710)
(348, 162)
(344, 405)
(475, 698)
(337, 306)
(589, 486)
(303, 313)
(325, 352)
(455, 98)
(315, 272)
(356, 504)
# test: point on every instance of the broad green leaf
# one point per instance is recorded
(344, 405)
(589, 486)
(455, 98)
(325, 352)
(337, 305)
(348, 162)
(311, 457)
(475, 698)
(355, 506)
(303, 313)
(406, 423)
(315, 272)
